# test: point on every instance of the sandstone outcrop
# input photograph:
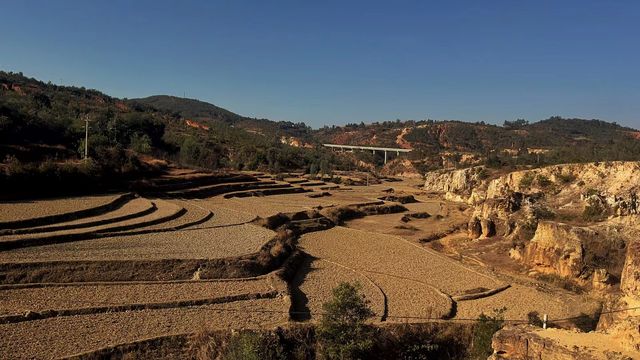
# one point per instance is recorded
(557, 248)
(630, 279)
(457, 185)
(625, 325)
(614, 178)
(524, 342)
(475, 228)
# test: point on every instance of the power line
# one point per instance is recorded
(311, 313)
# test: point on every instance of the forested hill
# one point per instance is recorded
(553, 140)
(205, 112)
(45, 121)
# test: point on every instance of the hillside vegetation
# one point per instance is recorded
(43, 123)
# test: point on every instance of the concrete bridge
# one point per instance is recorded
(368, 148)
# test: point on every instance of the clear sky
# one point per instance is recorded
(333, 62)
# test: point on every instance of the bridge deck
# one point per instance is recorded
(366, 148)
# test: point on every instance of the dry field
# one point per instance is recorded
(403, 279)
(15, 211)
(68, 335)
(184, 244)
(20, 299)
(316, 280)
(444, 217)
(379, 253)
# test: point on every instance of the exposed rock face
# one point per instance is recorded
(475, 228)
(457, 184)
(630, 280)
(488, 228)
(601, 279)
(557, 248)
(528, 342)
(614, 178)
(625, 325)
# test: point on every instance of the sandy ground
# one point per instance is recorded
(20, 300)
(184, 244)
(27, 209)
(64, 336)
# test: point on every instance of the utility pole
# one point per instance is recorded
(86, 136)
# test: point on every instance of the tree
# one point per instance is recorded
(483, 333)
(140, 143)
(342, 332)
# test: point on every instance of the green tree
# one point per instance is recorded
(483, 333)
(343, 333)
(140, 143)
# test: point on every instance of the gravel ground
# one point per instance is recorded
(520, 300)
(365, 251)
(28, 209)
(64, 336)
(165, 208)
(318, 282)
(18, 301)
(184, 244)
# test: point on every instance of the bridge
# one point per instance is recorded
(368, 148)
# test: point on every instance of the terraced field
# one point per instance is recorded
(68, 335)
(33, 209)
(17, 300)
(185, 244)
(67, 266)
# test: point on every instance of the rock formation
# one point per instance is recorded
(557, 248)
(457, 185)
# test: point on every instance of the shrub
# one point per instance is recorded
(533, 317)
(342, 332)
(483, 333)
(591, 192)
(527, 180)
(254, 346)
(561, 282)
(566, 178)
(543, 181)
(483, 174)
(140, 143)
(594, 212)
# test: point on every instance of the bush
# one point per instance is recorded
(527, 180)
(560, 282)
(543, 181)
(566, 178)
(594, 212)
(483, 333)
(342, 332)
(533, 318)
(140, 143)
(253, 346)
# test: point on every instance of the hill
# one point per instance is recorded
(43, 121)
(457, 143)
(207, 113)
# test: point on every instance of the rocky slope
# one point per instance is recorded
(617, 335)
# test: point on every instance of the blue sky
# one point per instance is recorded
(333, 62)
